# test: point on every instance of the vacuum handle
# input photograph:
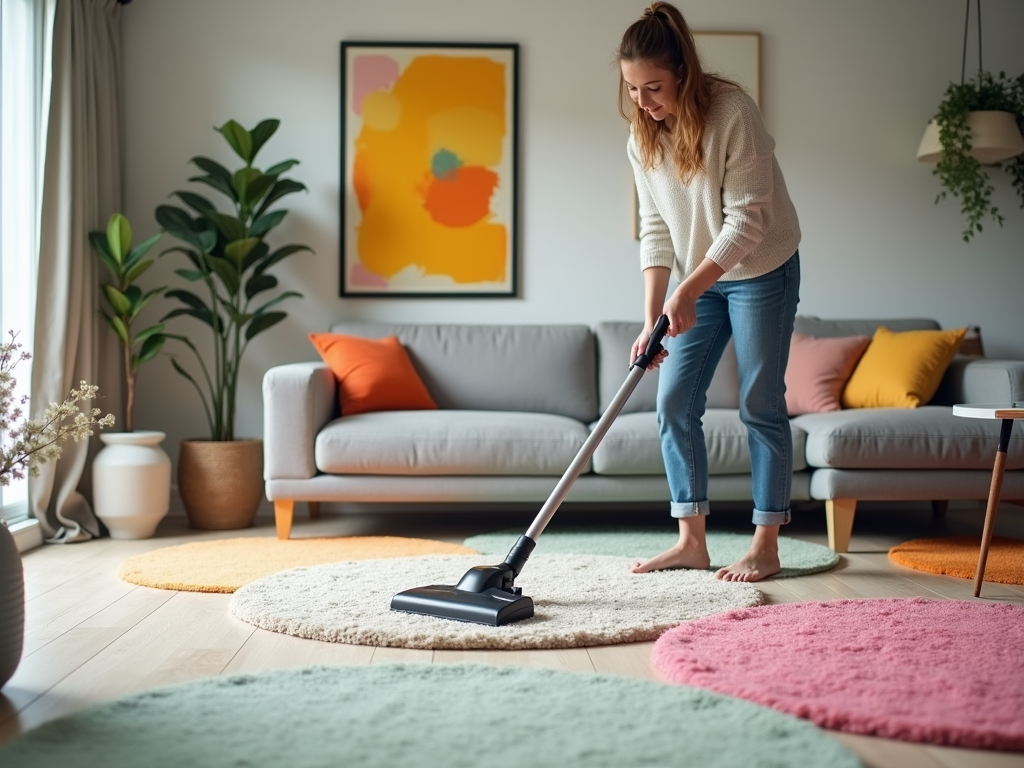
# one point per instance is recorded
(653, 343)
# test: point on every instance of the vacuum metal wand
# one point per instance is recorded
(636, 372)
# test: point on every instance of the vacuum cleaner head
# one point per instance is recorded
(493, 607)
(486, 594)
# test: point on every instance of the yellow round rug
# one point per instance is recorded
(227, 564)
(958, 556)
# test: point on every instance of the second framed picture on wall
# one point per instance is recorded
(429, 169)
(733, 55)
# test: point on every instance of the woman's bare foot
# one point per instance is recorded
(761, 560)
(688, 553)
(753, 566)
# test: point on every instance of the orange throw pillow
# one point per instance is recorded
(372, 375)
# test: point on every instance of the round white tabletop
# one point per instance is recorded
(990, 410)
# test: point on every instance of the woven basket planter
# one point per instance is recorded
(221, 482)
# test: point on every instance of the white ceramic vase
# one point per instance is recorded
(131, 483)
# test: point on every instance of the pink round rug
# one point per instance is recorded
(943, 672)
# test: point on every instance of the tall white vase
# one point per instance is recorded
(131, 483)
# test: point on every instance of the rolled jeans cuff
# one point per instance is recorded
(690, 508)
(771, 518)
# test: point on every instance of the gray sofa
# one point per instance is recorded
(515, 404)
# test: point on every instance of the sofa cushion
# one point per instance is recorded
(818, 370)
(633, 447)
(815, 326)
(534, 368)
(614, 340)
(901, 369)
(372, 375)
(930, 437)
(449, 443)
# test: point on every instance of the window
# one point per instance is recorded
(25, 29)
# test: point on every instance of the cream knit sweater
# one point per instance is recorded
(736, 213)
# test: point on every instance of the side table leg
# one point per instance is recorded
(993, 502)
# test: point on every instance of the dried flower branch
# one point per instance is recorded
(24, 445)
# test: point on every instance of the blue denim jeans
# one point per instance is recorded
(758, 314)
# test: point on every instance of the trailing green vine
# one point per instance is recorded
(959, 173)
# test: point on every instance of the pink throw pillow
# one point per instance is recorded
(818, 370)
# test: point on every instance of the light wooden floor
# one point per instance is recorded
(91, 637)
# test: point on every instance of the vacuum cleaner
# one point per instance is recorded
(487, 594)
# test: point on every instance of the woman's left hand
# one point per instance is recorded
(682, 312)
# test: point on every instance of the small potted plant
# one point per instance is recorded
(24, 445)
(221, 478)
(971, 111)
(131, 475)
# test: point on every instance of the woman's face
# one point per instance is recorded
(651, 88)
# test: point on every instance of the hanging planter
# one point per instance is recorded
(994, 137)
(978, 126)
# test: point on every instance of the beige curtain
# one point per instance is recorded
(81, 189)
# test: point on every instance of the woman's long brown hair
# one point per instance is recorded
(662, 37)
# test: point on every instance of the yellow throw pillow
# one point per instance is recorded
(901, 370)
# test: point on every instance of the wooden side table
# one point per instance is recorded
(1007, 413)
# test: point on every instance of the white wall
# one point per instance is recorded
(847, 91)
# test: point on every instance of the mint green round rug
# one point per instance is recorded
(455, 716)
(799, 558)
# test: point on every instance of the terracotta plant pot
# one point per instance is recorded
(12, 606)
(221, 482)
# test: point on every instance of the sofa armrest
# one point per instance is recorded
(298, 400)
(981, 380)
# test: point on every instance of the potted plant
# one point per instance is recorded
(978, 125)
(24, 445)
(221, 479)
(131, 475)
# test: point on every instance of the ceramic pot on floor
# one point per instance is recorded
(221, 482)
(131, 482)
(12, 605)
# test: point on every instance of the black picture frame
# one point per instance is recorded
(416, 217)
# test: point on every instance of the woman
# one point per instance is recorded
(715, 214)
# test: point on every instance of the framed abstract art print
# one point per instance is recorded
(429, 169)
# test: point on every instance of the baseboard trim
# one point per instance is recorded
(28, 535)
(177, 506)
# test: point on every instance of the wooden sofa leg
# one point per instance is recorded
(839, 519)
(939, 509)
(314, 509)
(284, 510)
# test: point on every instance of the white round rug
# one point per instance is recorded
(580, 600)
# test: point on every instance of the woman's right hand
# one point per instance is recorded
(640, 346)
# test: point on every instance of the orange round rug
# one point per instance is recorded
(958, 556)
(225, 565)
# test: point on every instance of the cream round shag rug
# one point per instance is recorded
(580, 600)
(226, 564)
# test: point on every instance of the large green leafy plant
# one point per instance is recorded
(126, 300)
(960, 174)
(231, 260)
